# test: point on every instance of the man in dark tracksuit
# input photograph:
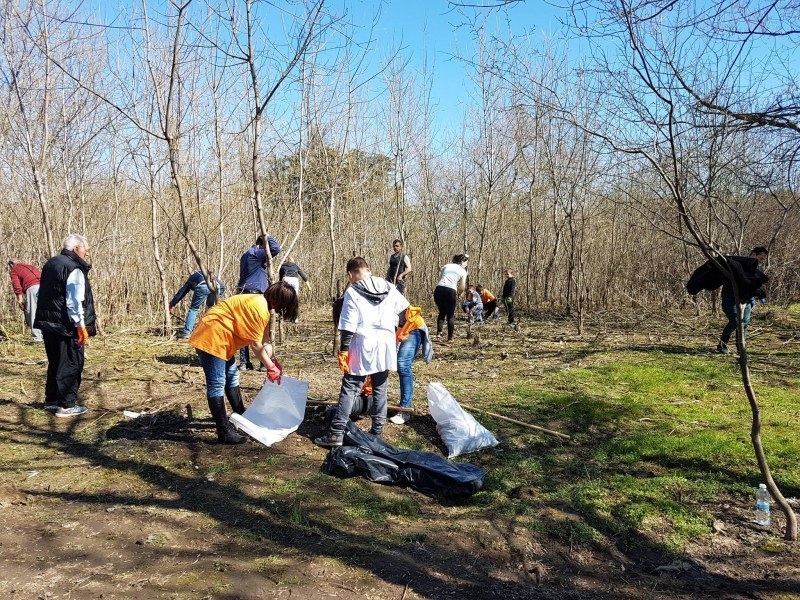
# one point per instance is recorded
(66, 317)
(509, 287)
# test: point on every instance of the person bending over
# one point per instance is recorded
(239, 321)
(452, 280)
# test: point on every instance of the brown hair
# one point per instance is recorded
(282, 298)
(356, 264)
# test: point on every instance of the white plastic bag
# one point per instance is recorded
(276, 411)
(460, 431)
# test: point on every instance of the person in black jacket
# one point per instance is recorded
(760, 253)
(509, 287)
(66, 316)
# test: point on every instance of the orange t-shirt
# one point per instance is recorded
(232, 324)
(487, 296)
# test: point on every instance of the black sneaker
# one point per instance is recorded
(330, 440)
(722, 348)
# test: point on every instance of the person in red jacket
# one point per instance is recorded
(25, 281)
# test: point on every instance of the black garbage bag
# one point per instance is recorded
(371, 457)
(749, 278)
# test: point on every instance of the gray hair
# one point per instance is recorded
(75, 240)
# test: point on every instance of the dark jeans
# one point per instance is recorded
(729, 308)
(351, 386)
(401, 286)
(64, 369)
(489, 308)
(509, 304)
(446, 299)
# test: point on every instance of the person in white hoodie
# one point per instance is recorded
(368, 348)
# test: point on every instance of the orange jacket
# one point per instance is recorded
(487, 296)
(414, 321)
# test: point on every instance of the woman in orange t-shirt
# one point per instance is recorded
(239, 321)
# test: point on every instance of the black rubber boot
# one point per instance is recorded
(234, 396)
(225, 433)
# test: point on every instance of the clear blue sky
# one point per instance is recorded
(443, 31)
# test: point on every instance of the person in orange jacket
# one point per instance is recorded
(490, 310)
(412, 335)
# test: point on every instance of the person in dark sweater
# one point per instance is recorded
(201, 294)
(253, 279)
(292, 274)
(760, 253)
(509, 287)
(66, 316)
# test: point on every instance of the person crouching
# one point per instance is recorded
(235, 323)
(367, 324)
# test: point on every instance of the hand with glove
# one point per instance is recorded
(83, 335)
(344, 357)
(170, 308)
(308, 285)
(274, 373)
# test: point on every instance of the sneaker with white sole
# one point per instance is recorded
(73, 411)
(400, 418)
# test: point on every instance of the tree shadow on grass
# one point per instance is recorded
(165, 425)
(431, 570)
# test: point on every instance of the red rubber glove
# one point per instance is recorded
(83, 335)
(170, 309)
(277, 364)
(344, 356)
(274, 374)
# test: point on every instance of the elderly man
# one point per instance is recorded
(25, 281)
(66, 317)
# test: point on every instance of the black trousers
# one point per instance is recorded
(64, 370)
(445, 299)
(509, 304)
(489, 308)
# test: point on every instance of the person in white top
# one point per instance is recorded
(452, 281)
(368, 348)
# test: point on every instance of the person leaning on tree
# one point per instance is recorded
(399, 267)
(760, 253)
(369, 318)
(201, 294)
(25, 281)
(66, 316)
(238, 322)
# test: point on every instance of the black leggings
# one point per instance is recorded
(445, 299)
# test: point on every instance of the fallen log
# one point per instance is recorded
(557, 434)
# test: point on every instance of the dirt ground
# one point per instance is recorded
(113, 508)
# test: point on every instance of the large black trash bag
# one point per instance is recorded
(749, 278)
(380, 462)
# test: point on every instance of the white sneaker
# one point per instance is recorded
(398, 419)
(74, 411)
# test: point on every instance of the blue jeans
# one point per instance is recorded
(405, 358)
(220, 374)
(729, 308)
(202, 295)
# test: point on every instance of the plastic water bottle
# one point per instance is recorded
(762, 505)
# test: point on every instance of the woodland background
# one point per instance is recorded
(172, 133)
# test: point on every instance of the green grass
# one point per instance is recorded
(657, 437)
